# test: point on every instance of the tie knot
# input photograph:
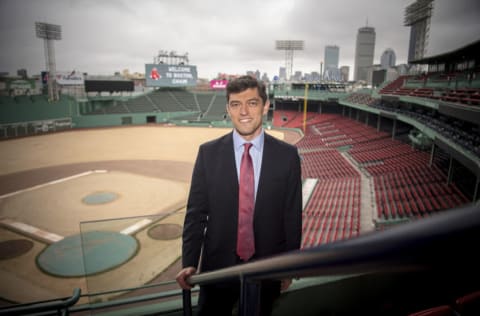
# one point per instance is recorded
(247, 146)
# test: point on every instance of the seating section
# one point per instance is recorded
(217, 108)
(294, 119)
(185, 99)
(334, 131)
(333, 212)
(464, 96)
(458, 87)
(204, 99)
(393, 86)
(164, 101)
(205, 105)
(465, 135)
(361, 98)
(405, 187)
(326, 165)
(411, 192)
(284, 118)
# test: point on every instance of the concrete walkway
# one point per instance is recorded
(368, 209)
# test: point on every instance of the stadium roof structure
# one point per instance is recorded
(469, 51)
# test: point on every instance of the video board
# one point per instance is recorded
(163, 75)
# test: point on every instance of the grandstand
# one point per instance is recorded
(201, 107)
(409, 153)
(450, 78)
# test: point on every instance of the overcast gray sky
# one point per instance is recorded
(101, 37)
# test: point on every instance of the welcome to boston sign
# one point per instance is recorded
(163, 75)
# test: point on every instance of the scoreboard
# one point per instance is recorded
(164, 75)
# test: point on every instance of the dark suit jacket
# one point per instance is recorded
(213, 203)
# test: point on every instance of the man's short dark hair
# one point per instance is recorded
(243, 83)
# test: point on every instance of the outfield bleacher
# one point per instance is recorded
(205, 106)
(217, 107)
(204, 99)
(185, 99)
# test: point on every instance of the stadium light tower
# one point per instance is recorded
(50, 33)
(171, 58)
(417, 16)
(289, 47)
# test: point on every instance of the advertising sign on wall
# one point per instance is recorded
(69, 77)
(218, 84)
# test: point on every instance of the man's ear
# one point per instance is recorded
(266, 107)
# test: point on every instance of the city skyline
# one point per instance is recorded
(110, 36)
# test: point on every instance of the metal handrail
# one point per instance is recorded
(125, 301)
(423, 244)
(59, 305)
(418, 245)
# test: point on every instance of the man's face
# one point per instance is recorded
(246, 109)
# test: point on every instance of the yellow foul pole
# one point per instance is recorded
(305, 109)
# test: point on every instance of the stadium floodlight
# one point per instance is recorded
(170, 58)
(49, 33)
(289, 46)
(417, 16)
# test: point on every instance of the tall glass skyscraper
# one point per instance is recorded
(365, 48)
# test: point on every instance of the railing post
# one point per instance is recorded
(187, 302)
(249, 297)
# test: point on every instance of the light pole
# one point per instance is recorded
(49, 33)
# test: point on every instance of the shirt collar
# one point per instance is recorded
(257, 142)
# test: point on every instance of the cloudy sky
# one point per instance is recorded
(102, 37)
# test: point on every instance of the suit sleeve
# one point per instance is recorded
(293, 208)
(196, 214)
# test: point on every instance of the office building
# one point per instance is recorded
(364, 50)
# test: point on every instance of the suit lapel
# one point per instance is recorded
(265, 167)
(230, 169)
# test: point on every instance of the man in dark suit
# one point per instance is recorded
(212, 216)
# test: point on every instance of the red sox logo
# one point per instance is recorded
(154, 74)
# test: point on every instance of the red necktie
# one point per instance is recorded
(246, 197)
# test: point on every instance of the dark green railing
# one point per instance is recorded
(60, 306)
(446, 241)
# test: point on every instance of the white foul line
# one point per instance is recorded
(136, 227)
(53, 182)
(31, 230)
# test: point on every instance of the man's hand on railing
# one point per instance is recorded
(285, 284)
(183, 275)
